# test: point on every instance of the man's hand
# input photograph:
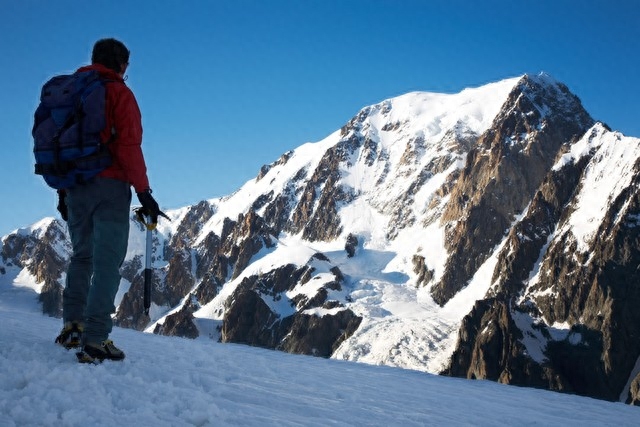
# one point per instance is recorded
(150, 207)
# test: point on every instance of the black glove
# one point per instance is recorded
(150, 207)
(62, 206)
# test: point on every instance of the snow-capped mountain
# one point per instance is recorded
(492, 233)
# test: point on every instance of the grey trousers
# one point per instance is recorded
(99, 228)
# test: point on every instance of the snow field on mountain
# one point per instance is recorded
(168, 381)
(435, 114)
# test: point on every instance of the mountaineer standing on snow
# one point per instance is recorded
(97, 208)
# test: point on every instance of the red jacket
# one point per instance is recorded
(123, 115)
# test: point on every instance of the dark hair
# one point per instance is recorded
(111, 53)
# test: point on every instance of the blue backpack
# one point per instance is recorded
(68, 122)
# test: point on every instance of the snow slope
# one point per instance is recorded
(168, 381)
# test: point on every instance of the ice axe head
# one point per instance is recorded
(140, 214)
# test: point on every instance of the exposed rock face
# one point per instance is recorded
(634, 392)
(503, 173)
(316, 214)
(593, 289)
(180, 324)
(351, 245)
(425, 275)
(319, 336)
(489, 347)
(249, 319)
(45, 254)
(51, 298)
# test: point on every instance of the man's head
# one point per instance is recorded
(112, 54)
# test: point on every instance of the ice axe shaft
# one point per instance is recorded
(148, 271)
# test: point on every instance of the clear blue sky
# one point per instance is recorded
(227, 86)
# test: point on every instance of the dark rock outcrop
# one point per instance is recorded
(180, 324)
(489, 347)
(595, 291)
(249, 319)
(45, 255)
(634, 392)
(425, 275)
(316, 214)
(351, 245)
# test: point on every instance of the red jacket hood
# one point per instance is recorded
(105, 73)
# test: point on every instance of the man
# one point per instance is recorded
(97, 214)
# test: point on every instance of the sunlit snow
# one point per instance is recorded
(168, 381)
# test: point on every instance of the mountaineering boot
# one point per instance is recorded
(97, 352)
(71, 335)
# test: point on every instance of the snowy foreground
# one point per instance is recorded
(168, 381)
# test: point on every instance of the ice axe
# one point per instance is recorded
(148, 271)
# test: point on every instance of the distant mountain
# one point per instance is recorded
(492, 233)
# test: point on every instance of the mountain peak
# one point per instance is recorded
(432, 114)
(542, 78)
(547, 96)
